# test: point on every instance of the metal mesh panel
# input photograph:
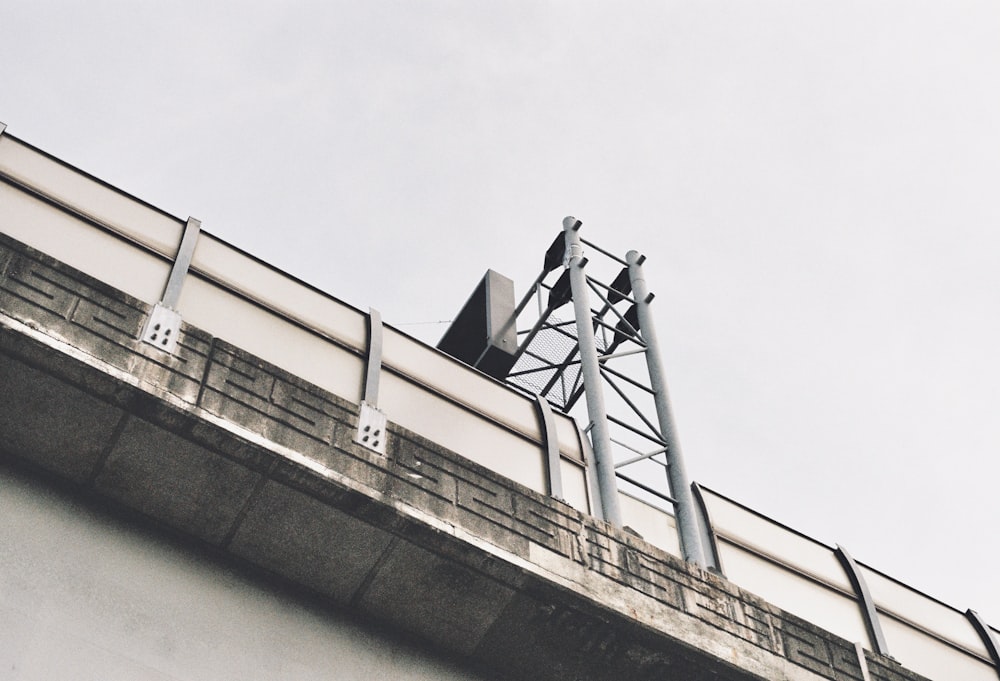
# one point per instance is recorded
(543, 360)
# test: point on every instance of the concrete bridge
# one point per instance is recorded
(235, 508)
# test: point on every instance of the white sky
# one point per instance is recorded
(813, 182)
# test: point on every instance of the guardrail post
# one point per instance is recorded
(865, 602)
(986, 636)
(163, 325)
(709, 540)
(372, 431)
(553, 467)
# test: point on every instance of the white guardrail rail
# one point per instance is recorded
(130, 245)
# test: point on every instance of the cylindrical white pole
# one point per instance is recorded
(600, 436)
(680, 488)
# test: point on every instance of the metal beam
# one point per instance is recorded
(862, 661)
(182, 262)
(709, 540)
(591, 371)
(372, 432)
(553, 467)
(865, 602)
(593, 489)
(989, 641)
(680, 486)
(373, 365)
(641, 457)
(163, 326)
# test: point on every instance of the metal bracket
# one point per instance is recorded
(593, 488)
(163, 327)
(371, 428)
(553, 467)
(986, 636)
(865, 601)
(185, 252)
(373, 367)
(862, 661)
(371, 420)
(709, 540)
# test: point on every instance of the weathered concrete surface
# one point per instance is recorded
(253, 462)
(89, 595)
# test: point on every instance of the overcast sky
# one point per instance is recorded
(814, 183)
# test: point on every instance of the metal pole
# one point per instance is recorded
(600, 435)
(685, 513)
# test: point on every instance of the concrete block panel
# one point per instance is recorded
(539, 637)
(242, 389)
(441, 601)
(96, 318)
(176, 481)
(309, 542)
(51, 423)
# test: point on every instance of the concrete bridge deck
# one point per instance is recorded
(243, 444)
(258, 464)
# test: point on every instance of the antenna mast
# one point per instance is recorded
(562, 361)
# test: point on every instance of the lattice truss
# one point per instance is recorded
(548, 363)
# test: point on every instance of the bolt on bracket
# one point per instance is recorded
(162, 328)
(371, 428)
